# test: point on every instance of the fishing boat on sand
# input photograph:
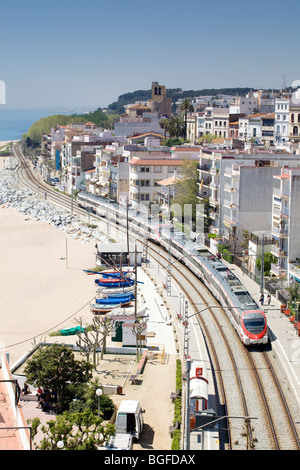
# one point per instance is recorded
(101, 309)
(115, 291)
(115, 300)
(110, 282)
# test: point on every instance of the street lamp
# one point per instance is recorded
(60, 444)
(99, 392)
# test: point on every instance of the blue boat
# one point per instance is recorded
(114, 282)
(114, 300)
(119, 296)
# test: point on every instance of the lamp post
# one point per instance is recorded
(99, 392)
(60, 444)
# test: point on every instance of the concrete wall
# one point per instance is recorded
(256, 198)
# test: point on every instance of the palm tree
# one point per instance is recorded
(185, 107)
(176, 127)
(164, 124)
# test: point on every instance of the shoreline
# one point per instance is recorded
(39, 289)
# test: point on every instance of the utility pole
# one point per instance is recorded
(168, 270)
(262, 264)
(127, 231)
(188, 369)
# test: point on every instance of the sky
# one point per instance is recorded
(75, 54)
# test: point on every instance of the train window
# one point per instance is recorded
(254, 322)
(244, 297)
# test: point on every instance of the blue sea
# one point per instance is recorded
(15, 122)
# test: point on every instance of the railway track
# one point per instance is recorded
(245, 378)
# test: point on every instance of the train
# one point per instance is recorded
(248, 320)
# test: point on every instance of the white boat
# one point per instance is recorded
(116, 291)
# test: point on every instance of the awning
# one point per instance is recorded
(198, 388)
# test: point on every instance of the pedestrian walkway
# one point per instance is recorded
(174, 301)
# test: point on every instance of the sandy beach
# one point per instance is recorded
(40, 290)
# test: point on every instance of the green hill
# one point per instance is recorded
(174, 93)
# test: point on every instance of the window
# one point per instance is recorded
(292, 118)
(145, 169)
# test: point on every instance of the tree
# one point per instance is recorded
(165, 124)
(56, 368)
(268, 260)
(77, 431)
(294, 291)
(176, 127)
(187, 188)
(89, 400)
(91, 340)
(185, 107)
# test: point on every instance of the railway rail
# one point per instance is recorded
(248, 381)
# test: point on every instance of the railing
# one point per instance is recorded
(294, 270)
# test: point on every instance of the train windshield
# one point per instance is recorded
(254, 322)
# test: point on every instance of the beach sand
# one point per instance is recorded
(40, 290)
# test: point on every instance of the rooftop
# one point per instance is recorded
(155, 162)
(14, 432)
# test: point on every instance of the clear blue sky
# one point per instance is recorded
(85, 54)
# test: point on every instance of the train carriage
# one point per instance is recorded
(247, 318)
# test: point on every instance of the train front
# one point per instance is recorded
(254, 327)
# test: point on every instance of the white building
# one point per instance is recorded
(240, 190)
(250, 127)
(221, 122)
(145, 171)
(281, 124)
(244, 104)
(286, 224)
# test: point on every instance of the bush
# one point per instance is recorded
(176, 440)
(177, 407)
(178, 376)
(226, 254)
(177, 411)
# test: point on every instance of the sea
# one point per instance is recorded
(16, 122)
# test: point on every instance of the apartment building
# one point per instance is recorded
(286, 224)
(281, 123)
(221, 122)
(294, 121)
(146, 171)
(250, 127)
(267, 129)
(244, 104)
(240, 190)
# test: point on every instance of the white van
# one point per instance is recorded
(130, 418)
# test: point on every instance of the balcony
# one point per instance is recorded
(205, 181)
(279, 233)
(203, 167)
(278, 270)
(214, 170)
(278, 252)
(295, 270)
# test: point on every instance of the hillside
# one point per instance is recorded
(174, 93)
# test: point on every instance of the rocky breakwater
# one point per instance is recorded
(14, 194)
